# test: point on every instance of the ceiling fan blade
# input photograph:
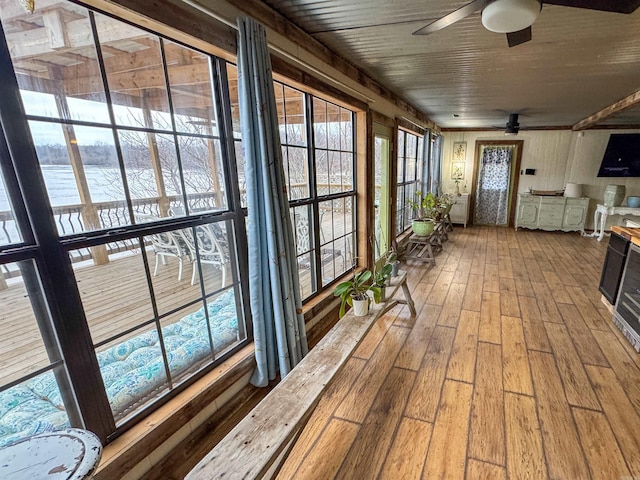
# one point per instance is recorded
(521, 36)
(618, 6)
(453, 17)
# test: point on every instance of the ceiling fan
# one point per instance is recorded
(515, 17)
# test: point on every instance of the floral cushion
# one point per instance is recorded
(132, 371)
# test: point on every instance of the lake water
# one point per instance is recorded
(62, 189)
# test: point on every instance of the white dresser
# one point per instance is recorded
(460, 209)
(551, 213)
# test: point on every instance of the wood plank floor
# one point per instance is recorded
(511, 369)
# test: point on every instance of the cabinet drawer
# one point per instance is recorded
(578, 201)
(552, 200)
(523, 199)
(550, 218)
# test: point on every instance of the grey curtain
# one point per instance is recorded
(492, 192)
(278, 325)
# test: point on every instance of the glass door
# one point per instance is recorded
(381, 163)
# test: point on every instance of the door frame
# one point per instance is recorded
(519, 144)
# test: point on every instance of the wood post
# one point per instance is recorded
(89, 212)
(154, 154)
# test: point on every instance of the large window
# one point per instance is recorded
(124, 161)
(410, 151)
(319, 158)
(136, 217)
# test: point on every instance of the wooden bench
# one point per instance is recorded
(259, 444)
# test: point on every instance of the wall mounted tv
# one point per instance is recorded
(622, 156)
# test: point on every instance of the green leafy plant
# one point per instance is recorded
(425, 208)
(380, 277)
(354, 289)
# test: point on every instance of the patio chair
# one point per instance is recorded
(303, 244)
(212, 248)
(165, 244)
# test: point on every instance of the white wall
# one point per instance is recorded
(559, 156)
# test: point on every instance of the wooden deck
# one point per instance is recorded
(116, 298)
(512, 369)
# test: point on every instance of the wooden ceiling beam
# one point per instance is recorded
(606, 112)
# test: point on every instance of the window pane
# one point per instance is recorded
(78, 92)
(32, 405)
(227, 327)
(151, 168)
(292, 122)
(203, 174)
(191, 92)
(133, 370)
(232, 78)
(320, 123)
(213, 254)
(333, 127)
(346, 130)
(301, 218)
(240, 165)
(133, 65)
(9, 232)
(115, 295)
(297, 172)
(401, 155)
(336, 224)
(322, 172)
(82, 176)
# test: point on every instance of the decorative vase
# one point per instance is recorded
(360, 307)
(422, 228)
(457, 190)
(633, 202)
(613, 195)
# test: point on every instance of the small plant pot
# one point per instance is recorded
(383, 293)
(395, 266)
(360, 307)
(422, 228)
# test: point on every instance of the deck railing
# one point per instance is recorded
(70, 219)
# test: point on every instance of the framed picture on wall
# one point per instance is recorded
(459, 152)
(457, 170)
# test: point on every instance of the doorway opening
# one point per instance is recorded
(495, 182)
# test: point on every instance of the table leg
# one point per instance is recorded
(407, 296)
(603, 221)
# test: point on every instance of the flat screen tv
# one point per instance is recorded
(622, 156)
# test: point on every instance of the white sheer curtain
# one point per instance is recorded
(492, 192)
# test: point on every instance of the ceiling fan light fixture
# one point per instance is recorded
(506, 16)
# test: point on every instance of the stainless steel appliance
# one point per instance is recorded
(627, 312)
(613, 266)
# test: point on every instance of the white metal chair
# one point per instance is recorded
(211, 248)
(165, 244)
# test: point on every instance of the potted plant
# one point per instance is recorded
(424, 214)
(445, 202)
(380, 278)
(354, 293)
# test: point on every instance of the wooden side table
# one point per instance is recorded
(421, 248)
(71, 454)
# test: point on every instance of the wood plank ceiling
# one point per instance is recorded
(579, 61)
